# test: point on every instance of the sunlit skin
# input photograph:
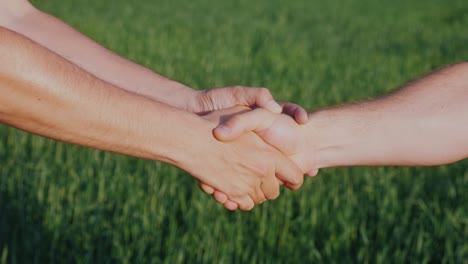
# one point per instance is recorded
(43, 93)
(68, 71)
(425, 123)
(20, 16)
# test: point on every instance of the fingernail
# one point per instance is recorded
(223, 129)
(303, 119)
(274, 107)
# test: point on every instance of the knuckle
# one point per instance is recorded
(235, 93)
(238, 90)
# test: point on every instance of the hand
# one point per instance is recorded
(226, 97)
(214, 99)
(259, 158)
(283, 133)
(278, 130)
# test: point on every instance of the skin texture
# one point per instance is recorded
(425, 123)
(20, 16)
(47, 95)
(101, 67)
(278, 123)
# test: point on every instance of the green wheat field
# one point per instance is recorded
(61, 203)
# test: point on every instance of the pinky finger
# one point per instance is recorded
(301, 116)
(296, 111)
(205, 188)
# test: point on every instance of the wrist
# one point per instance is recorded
(194, 101)
(329, 137)
(347, 136)
(171, 93)
(185, 97)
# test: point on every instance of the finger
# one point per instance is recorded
(312, 173)
(288, 172)
(296, 111)
(293, 187)
(301, 116)
(230, 205)
(258, 96)
(220, 197)
(245, 204)
(259, 196)
(270, 189)
(255, 120)
(205, 188)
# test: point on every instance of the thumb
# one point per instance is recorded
(256, 96)
(256, 120)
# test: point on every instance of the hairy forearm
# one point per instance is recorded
(424, 123)
(62, 39)
(45, 94)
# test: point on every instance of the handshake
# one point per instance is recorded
(239, 155)
(271, 148)
(421, 124)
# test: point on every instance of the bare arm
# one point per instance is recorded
(424, 123)
(64, 40)
(45, 94)
(48, 31)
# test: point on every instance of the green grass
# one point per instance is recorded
(61, 203)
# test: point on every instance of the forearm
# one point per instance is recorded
(57, 36)
(424, 123)
(47, 95)
(44, 94)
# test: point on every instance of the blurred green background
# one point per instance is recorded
(63, 204)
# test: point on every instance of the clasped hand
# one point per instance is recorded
(276, 151)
